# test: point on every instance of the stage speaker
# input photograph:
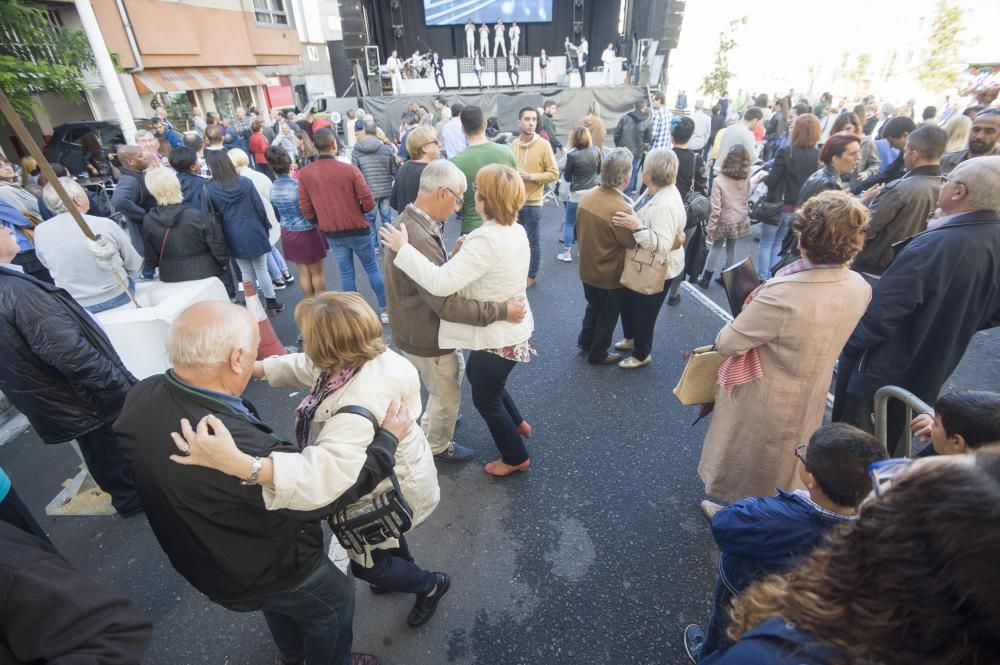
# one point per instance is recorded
(354, 23)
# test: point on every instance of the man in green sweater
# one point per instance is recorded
(481, 151)
(536, 164)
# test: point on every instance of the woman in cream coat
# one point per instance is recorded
(346, 363)
(492, 266)
(657, 225)
(796, 324)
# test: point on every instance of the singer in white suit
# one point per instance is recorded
(608, 60)
(499, 39)
(515, 37)
(395, 67)
(470, 39)
(484, 40)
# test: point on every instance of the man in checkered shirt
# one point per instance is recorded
(660, 121)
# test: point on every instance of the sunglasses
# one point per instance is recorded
(800, 452)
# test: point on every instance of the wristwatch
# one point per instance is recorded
(255, 465)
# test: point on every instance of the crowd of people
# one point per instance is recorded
(879, 259)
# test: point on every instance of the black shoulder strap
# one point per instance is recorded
(365, 413)
(360, 411)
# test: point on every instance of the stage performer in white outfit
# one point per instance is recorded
(470, 39)
(515, 37)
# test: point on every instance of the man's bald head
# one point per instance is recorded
(216, 341)
(131, 157)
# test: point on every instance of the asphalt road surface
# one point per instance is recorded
(596, 555)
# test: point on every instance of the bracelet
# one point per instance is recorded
(255, 465)
(641, 228)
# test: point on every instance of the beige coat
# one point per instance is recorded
(799, 324)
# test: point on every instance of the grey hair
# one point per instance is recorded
(164, 186)
(73, 189)
(209, 343)
(981, 177)
(616, 166)
(661, 165)
(442, 173)
(143, 133)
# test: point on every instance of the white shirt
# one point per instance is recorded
(582, 51)
(62, 248)
(469, 29)
(394, 64)
(702, 128)
(608, 57)
(453, 138)
(514, 32)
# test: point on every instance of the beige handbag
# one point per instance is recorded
(697, 383)
(645, 271)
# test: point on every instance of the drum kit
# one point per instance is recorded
(416, 66)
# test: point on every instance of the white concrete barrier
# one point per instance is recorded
(139, 335)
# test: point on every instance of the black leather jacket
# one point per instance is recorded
(826, 179)
(59, 368)
(583, 168)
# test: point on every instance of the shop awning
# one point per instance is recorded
(179, 79)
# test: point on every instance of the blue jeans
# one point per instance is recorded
(570, 224)
(344, 248)
(530, 217)
(255, 270)
(117, 301)
(276, 266)
(718, 624)
(633, 184)
(313, 620)
(383, 210)
(771, 238)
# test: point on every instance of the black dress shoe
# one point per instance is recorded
(674, 299)
(426, 605)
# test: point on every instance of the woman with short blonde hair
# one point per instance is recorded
(490, 266)
(423, 146)
(357, 388)
(593, 122)
(182, 241)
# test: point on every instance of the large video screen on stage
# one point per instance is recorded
(457, 12)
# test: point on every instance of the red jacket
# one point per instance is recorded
(258, 144)
(336, 195)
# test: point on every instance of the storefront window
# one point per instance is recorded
(227, 99)
(178, 111)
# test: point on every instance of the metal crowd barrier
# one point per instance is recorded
(912, 403)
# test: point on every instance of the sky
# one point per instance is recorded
(783, 38)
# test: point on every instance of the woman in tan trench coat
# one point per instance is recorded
(798, 323)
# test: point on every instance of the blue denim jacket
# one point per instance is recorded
(285, 197)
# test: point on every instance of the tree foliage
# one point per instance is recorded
(940, 65)
(36, 57)
(716, 82)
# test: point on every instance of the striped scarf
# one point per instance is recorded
(737, 370)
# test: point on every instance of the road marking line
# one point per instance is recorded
(696, 293)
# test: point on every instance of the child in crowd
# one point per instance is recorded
(729, 220)
(961, 421)
(760, 536)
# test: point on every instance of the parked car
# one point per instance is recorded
(64, 146)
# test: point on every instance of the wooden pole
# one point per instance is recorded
(50, 177)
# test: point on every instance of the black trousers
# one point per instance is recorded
(487, 373)
(13, 511)
(599, 321)
(439, 79)
(639, 314)
(395, 570)
(108, 467)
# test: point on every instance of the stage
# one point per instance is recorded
(504, 103)
(460, 74)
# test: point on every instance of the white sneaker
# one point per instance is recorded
(566, 256)
(625, 345)
(632, 362)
